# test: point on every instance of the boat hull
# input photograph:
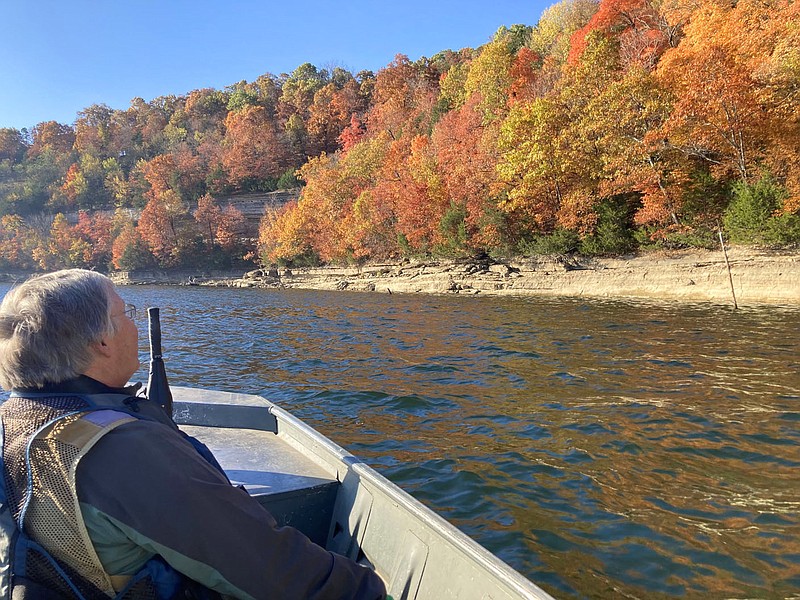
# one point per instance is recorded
(309, 482)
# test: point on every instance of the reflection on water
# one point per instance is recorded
(604, 449)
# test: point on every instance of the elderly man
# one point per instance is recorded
(110, 497)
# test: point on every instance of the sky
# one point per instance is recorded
(59, 57)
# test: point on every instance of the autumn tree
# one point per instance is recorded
(337, 217)
(96, 229)
(168, 230)
(85, 183)
(205, 112)
(299, 88)
(531, 163)
(148, 121)
(627, 118)
(332, 111)
(129, 250)
(284, 235)
(720, 115)
(223, 227)
(550, 39)
(466, 159)
(95, 131)
(403, 100)
(53, 136)
(63, 248)
(452, 92)
(489, 75)
(12, 145)
(16, 243)
(410, 185)
(253, 147)
(640, 28)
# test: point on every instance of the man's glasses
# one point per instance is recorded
(130, 311)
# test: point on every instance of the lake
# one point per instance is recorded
(604, 449)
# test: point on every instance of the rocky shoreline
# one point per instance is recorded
(759, 277)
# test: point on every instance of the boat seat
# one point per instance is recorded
(295, 489)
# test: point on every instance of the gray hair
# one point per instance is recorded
(47, 325)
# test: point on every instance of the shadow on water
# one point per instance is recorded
(604, 449)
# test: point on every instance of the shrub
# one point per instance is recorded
(613, 234)
(288, 180)
(454, 231)
(751, 215)
(676, 236)
(561, 241)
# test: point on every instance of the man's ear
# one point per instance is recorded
(101, 347)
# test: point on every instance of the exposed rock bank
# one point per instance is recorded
(758, 277)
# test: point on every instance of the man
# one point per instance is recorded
(122, 502)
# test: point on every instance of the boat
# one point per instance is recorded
(308, 482)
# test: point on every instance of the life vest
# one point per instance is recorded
(45, 549)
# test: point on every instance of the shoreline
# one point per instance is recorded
(759, 277)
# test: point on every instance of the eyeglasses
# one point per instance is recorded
(130, 311)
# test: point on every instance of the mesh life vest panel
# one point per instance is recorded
(43, 442)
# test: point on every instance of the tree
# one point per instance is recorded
(625, 120)
(41, 179)
(129, 251)
(161, 174)
(95, 229)
(716, 116)
(284, 235)
(531, 162)
(52, 136)
(327, 120)
(403, 100)
(724, 113)
(410, 184)
(12, 145)
(94, 131)
(219, 227)
(253, 147)
(466, 159)
(352, 133)
(551, 35)
(753, 215)
(16, 243)
(550, 39)
(452, 93)
(84, 184)
(338, 217)
(642, 31)
(298, 89)
(489, 76)
(163, 227)
(63, 248)
(523, 76)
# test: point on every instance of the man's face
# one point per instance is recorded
(123, 345)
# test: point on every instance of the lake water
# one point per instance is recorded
(604, 449)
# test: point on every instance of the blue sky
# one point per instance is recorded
(58, 57)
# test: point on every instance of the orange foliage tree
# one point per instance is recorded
(16, 243)
(53, 136)
(466, 157)
(223, 227)
(129, 251)
(252, 148)
(167, 229)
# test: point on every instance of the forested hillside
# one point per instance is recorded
(605, 127)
